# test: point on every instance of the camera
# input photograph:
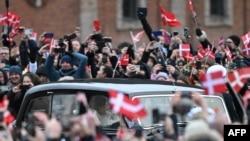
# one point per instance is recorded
(186, 32)
(70, 37)
(24, 87)
(62, 47)
(175, 33)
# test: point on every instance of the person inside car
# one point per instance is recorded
(101, 109)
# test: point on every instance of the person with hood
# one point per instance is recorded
(66, 65)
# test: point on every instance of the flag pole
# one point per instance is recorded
(8, 28)
(135, 47)
(236, 97)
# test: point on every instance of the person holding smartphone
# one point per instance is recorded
(17, 93)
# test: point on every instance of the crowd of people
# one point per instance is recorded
(30, 63)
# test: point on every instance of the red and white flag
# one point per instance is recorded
(201, 53)
(11, 19)
(189, 57)
(8, 118)
(246, 38)
(169, 18)
(124, 60)
(33, 36)
(122, 104)
(238, 78)
(213, 82)
(190, 5)
(221, 41)
(184, 49)
(15, 32)
(228, 53)
(137, 37)
(245, 49)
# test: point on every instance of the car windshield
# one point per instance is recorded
(162, 104)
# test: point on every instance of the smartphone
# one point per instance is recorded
(107, 39)
(96, 25)
(156, 44)
(5, 88)
(142, 10)
(198, 65)
(175, 33)
(137, 68)
(157, 33)
(49, 35)
(186, 32)
(28, 31)
(24, 87)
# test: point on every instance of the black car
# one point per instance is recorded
(59, 98)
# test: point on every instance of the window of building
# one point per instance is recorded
(218, 12)
(217, 7)
(126, 16)
(129, 9)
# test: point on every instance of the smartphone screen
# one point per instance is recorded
(156, 44)
(28, 31)
(137, 68)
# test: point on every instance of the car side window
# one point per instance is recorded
(39, 104)
(65, 105)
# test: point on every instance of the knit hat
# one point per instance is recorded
(161, 74)
(236, 39)
(41, 71)
(16, 70)
(68, 59)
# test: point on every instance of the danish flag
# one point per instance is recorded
(246, 38)
(190, 5)
(238, 78)
(184, 49)
(11, 19)
(7, 116)
(221, 41)
(168, 18)
(124, 60)
(189, 57)
(137, 37)
(120, 103)
(213, 82)
(245, 49)
(201, 53)
(228, 53)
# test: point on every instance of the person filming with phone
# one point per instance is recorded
(17, 93)
(66, 64)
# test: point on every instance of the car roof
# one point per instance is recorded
(128, 86)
